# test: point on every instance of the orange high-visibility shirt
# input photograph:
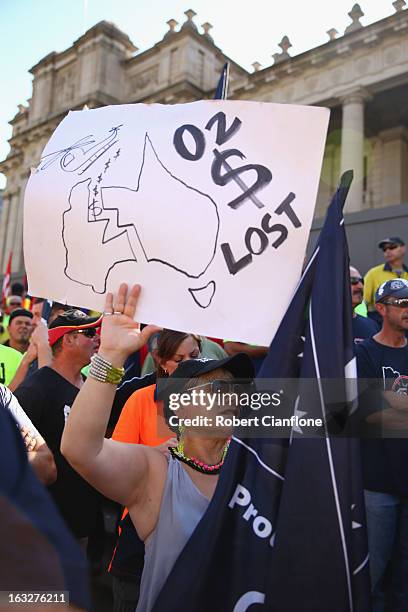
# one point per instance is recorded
(141, 420)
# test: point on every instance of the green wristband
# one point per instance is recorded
(114, 375)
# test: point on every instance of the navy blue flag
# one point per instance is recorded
(285, 529)
(38, 552)
(46, 310)
(222, 87)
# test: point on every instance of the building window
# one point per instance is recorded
(173, 65)
(200, 68)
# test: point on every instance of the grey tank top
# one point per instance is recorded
(181, 509)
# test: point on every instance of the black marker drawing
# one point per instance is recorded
(141, 211)
(99, 178)
(95, 190)
(264, 175)
(159, 226)
(107, 243)
(107, 164)
(82, 154)
(223, 134)
(94, 210)
(116, 154)
(203, 295)
(258, 245)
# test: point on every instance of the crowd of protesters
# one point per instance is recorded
(89, 394)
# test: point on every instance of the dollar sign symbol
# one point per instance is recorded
(264, 176)
(95, 210)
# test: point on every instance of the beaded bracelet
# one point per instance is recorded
(102, 370)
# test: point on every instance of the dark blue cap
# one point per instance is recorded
(391, 240)
(397, 288)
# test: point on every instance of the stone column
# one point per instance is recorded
(3, 230)
(18, 255)
(11, 228)
(352, 145)
(394, 165)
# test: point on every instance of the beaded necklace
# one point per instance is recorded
(196, 464)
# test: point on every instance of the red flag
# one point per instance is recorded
(6, 279)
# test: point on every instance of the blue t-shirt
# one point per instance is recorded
(363, 328)
(385, 459)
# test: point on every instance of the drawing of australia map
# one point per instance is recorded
(124, 223)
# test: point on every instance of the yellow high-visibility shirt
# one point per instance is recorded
(375, 277)
(9, 362)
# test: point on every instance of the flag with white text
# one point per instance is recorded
(285, 529)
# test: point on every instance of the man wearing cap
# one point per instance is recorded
(363, 327)
(12, 302)
(383, 370)
(47, 397)
(394, 252)
(20, 327)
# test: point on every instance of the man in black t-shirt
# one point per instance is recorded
(47, 397)
(383, 361)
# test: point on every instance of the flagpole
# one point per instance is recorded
(221, 91)
(226, 82)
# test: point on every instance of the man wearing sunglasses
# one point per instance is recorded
(363, 327)
(382, 363)
(394, 252)
(47, 397)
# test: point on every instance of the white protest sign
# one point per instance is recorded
(207, 205)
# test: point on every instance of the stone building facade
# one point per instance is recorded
(362, 75)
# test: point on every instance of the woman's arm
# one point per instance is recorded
(114, 468)
(120, 471)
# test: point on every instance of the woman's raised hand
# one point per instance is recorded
(121, 335)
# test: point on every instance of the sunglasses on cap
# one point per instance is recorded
(89, 333)
(398, 303)
(354, 280)
(390, 247)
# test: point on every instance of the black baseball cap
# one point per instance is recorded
(397, 288)
(391, 240)
(70, 321)
(20, 312)
(240, 366)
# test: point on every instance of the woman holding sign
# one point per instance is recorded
(140, 477)
(142, 421)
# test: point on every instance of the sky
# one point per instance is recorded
(245, 31)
